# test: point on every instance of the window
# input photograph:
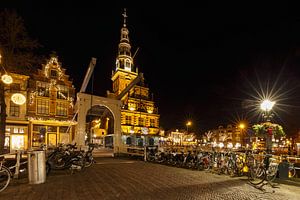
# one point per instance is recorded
(38, 135)
(141, 121)
(14, 109)
(62, 92)
(15, 87)
(61, 109)
(128, 119)
(127, 65)
(53, 73)
(42, 106)
(42, 89)
(152, 122)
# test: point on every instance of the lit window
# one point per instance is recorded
(42, 106)
(127, 65)
(42, 89)
(152, 122)
(14, 109)
(62, 92)
(61, 109)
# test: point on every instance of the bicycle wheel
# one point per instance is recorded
(272, 173)
(89, 161)
(4, 178)
(292, 172)
(257, 175)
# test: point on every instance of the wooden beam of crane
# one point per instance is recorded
(133, 83)
(88, 75)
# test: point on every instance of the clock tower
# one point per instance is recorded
(139, 115)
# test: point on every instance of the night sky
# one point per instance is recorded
(200, 61)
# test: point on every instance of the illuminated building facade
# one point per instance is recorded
(50, 106)
(139, 116)
(228, 136)
(16, 129)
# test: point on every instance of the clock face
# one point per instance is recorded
(18, 98)
(7, 79)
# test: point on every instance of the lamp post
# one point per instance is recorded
(267, 106)
(187, 126)
(242, 128)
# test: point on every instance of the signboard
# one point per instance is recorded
(145, 130)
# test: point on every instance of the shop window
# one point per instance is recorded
(38, 136)
(42, 106)
(63, 129)
(14, 109)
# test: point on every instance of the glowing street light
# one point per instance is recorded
(189, 123)
(242, 126)
(267, 105)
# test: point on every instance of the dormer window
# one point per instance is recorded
(53, 73)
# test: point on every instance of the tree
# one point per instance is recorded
(262, 129)
(209, 135)
(17, 48)
(17, 51)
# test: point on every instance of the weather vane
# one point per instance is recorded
(125, 16)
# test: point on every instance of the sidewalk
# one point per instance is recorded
(290, 181)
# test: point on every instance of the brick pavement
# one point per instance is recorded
(127, 179)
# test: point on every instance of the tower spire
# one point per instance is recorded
(125, 16)
(124, 59)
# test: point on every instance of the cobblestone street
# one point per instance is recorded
(113, 178)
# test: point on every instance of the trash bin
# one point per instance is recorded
(283, 169)
(36, 167)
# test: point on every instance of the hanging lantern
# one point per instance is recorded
(18, 98)
(7, 79)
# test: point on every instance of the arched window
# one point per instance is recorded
(128, 140)
(117, 64)
(151, 141)
(127, 65)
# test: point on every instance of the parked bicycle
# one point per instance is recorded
(12, 171)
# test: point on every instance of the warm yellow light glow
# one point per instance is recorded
(267, 105)
(17, 142)
(189, 123)
(150, 111)
(237, 145)
(242, 126)
(18, 98)
(131, 108)
(7, 79)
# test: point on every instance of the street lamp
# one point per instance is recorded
(242, 127)
(267, 106)
(189, 123)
